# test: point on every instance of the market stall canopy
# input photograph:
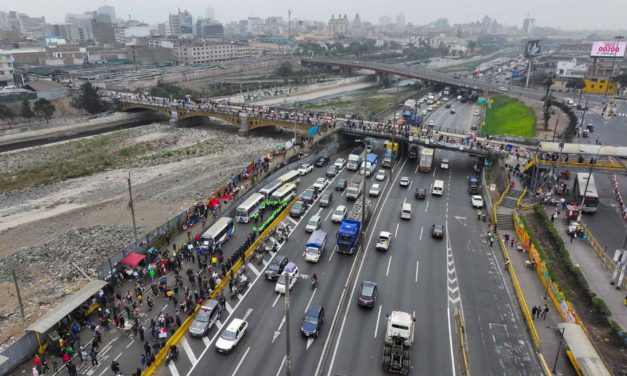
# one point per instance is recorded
(69, 304)
(132, 259)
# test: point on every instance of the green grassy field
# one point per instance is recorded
(509, 116)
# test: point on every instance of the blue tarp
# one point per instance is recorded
(312, 131)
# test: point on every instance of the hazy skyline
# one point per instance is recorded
(571, 14)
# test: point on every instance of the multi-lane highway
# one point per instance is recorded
(427, 277)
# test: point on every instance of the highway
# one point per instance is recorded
(418, 274)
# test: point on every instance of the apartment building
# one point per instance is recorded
(206, 53)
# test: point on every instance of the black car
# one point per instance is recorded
(368, 295)
(298, 209)
(326, 199)
(275, 268)
(341, 185)
(322, 161)
(448, 105)
(437, 231)
(313, 321)
(331, 172)
(421, 193)
(309, 196)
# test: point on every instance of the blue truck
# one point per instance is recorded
(348, 234)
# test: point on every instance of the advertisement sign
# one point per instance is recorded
(608, 49)
(532, 48)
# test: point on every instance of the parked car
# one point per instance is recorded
(476, 201)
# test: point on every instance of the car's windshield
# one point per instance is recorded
(311, 319)
(202, 317)
(311, 251)
(282, 279)
(367, 290)
(228, 335)
(312, 222)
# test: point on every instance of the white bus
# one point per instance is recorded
(218, 234)
(249, 208)
(591, 200)
(290, 177)
(269, 189)
(285, 193)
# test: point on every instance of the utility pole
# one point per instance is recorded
(19, 296)
(132, 207)
(288, 352)
(289, 23)
(559, 348)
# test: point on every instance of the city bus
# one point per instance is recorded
(218, 234)
(285, 193)
(269, 189)
(290, 177)
(590, 197)
(247, 210)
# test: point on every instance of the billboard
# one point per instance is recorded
(532, 48)
(608, 49)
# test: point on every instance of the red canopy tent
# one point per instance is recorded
(133, 259)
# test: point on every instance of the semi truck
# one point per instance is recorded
(399, 337)
(354, 159)
(413, 152)
(353, 191)
(426, 160)
(348, 233)
(370, 164)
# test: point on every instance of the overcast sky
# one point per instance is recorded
(566, 14)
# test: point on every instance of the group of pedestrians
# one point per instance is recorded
(539, 311)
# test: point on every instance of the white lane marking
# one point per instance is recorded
(416, 172)
(434, 169)
(328, 215)
(119, 355)
(219, 324)
(361, 264)
(173, 369)
(280, 367)
(310, 299)
(253, 269)
(188, 350)
(427, 207)
(129, 345)
(248, 312)
(319, 210)
(240, 296)
(278, 296)
(228, 307)
(292, 220)
(410, 184)
(388, 269)
(396, 232)
(310, 340)
(240, 361)
(206, 341)
(417, 266)
(450, 337)
(421, 229)
(332, 253)
(277, 332)
(376, 327)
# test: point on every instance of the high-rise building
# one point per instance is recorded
(210, 13)
(528, 25)
(207, 28)
(400, 20)
(103, 30)
(109, 11)
(181, 24)
(82, 21)
(6, 68)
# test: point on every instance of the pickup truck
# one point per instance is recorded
(383, 243)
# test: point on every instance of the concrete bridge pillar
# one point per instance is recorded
(174, 113)
(383, 79)
(347, 71)
(243, 123)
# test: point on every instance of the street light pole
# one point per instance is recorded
(559, 348)
(288, 353)
(132, 207)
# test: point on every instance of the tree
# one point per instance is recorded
(575, 83)
(26, 111)
(44, 109)
(89, 99)
(284, 70)
(6, 114)
(547, 115)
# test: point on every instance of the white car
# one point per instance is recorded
(375, 190)
(404, 181)
(380, 176)
(304, 169)
(340, 163)
(431, 123)
(321, 184)
(475, 112)
(476, 201)
(444, 164)
(339, 214)
(231, 335)
(503, 89)
(383, 243)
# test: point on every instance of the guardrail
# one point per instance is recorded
(180, 332)
(463, 348)
(600, 252)
(521, 198)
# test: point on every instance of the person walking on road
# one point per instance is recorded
(534, 311)
(545, 311)
(143, 361)
(71, 369)
(94, 356)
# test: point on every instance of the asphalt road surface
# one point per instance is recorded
(428, 277)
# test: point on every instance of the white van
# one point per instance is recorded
(438, 188)
(290, 270)
(315, 246)
(406, 211)
(313, 223)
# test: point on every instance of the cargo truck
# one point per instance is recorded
(354, 188)
(348, 234)
(354, 160)
(426, 160)
(413, 152)
(399, 336)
